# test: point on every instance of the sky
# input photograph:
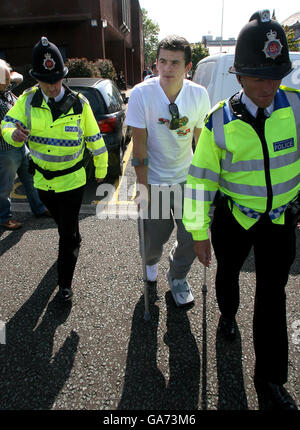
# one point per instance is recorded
(193, 19)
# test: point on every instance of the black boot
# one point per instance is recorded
(275, 394)
(66, 293)
(227, 328)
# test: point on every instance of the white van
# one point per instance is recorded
(212, 73)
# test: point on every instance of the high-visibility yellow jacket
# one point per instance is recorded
(57, 145)
(230, 157)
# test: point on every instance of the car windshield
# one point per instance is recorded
(95, 98)
(204, 73)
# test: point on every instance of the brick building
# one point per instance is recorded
(93, 29)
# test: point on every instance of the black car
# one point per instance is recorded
(109, 107)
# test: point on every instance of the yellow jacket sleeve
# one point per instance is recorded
(202, 185)
(15, 115)
(95, 142)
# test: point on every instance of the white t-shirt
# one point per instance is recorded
(169, 151)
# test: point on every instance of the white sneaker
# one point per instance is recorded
(181, 291)
(152, 272)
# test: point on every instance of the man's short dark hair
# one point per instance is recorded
(176, 43)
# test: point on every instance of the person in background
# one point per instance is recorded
(121, 81)
(153, 73)
(57, 124)
(249, 152)
(14, 160)
(165, 113)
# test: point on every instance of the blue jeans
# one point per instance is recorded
(12, 162)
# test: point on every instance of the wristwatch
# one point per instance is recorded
(136, 162)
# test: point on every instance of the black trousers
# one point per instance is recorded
(274, 251)
(65, 207)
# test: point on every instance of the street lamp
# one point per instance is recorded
(221, 45)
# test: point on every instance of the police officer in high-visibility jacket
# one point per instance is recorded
(57, 124)
(248, 162)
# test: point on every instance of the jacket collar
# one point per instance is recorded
(37, 99)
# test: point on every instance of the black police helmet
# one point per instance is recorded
(262, 49)
(47, 62)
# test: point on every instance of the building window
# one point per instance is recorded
(125, 16)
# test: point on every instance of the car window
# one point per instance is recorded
(204, 73)
(113, 97)
(95, 98)
(117, 95)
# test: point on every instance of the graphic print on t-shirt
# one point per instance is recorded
(182, 130)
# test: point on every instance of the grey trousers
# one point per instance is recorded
(165, 209)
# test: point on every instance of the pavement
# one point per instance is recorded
(98, 352)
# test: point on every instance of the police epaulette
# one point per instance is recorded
(293, 90)
(31, 89)
(81, 96)
(216, 107)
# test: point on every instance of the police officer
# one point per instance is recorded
(249, 152)
(57, 124)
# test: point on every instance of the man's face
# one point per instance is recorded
(51, 90)
(171, 66)
(260, 91)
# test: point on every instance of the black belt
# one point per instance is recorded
(50, 174)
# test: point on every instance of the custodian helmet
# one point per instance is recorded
(262, 49)
(47, 62)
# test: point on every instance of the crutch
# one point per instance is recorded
(204, 342)
(204, 287)
(142, 248)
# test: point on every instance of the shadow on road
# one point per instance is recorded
(145, 386)
(232, 395)
(30, 376)
(29, 223)
(15, 236)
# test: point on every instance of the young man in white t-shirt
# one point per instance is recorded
(165, 113)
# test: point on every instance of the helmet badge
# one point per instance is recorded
(273, 46)
(265, 15)
(48, 63)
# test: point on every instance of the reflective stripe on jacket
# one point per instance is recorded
(229, 157)
(57, 145)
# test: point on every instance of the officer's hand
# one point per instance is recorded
(20, 134)
(99, 180)
(203, 251)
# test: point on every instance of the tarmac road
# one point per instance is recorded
(98, 353)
